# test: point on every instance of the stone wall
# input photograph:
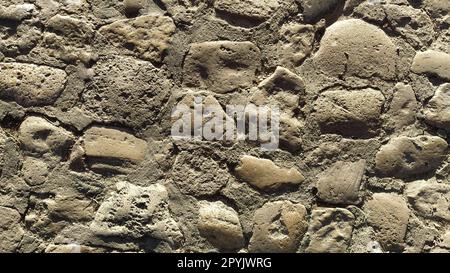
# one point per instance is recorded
(87, 162)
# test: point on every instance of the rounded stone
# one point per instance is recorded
(38, 136)
(356, 48)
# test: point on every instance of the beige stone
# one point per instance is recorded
(71, 208)
(403, 108)
(265, 175)
(106, 142)
(330, 230)
(437, 110)
(297, 43)
(291, 133)
(147, 36)
(388, 213)
(404, 156)
(446, 240)
(70, 248)
(355, 48)
(340, 184)
(284, 89)
(221, 66)
(433, 63)
(17, 12)
(212, 112)
(259, 10)
(70, 27)
(278, 227)
(31, 85)
(133, 6)
(38, 136)
(135, 212)
(109, 145)
(34, 171)
(430, 199)
(437, 7)
(220, 225)
(349, 113)
(283, 80)
(10, 231)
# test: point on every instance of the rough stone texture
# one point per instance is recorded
(314, 10)
(264, 174)
(296, 43)
(388, 214)
(198, 174)
(355, 48)
(38, 136)
(340, 183)
(221, 66)
(403, 108)
(220, 225)
(437, 111)
(278, 227)
(10, 230)
(430, 199)
(148, 36)
(403, 156)
(133, 212)
(30, 85)
(246, 12)
(284, 89)
(330, 230)
(34, 171)
(87, 90)
(433, 63)
(108, 149)
(125, 91)
(350, 113)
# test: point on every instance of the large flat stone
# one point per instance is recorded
(430, 199)
(39, 136)
(147, 36)
(133, 212)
